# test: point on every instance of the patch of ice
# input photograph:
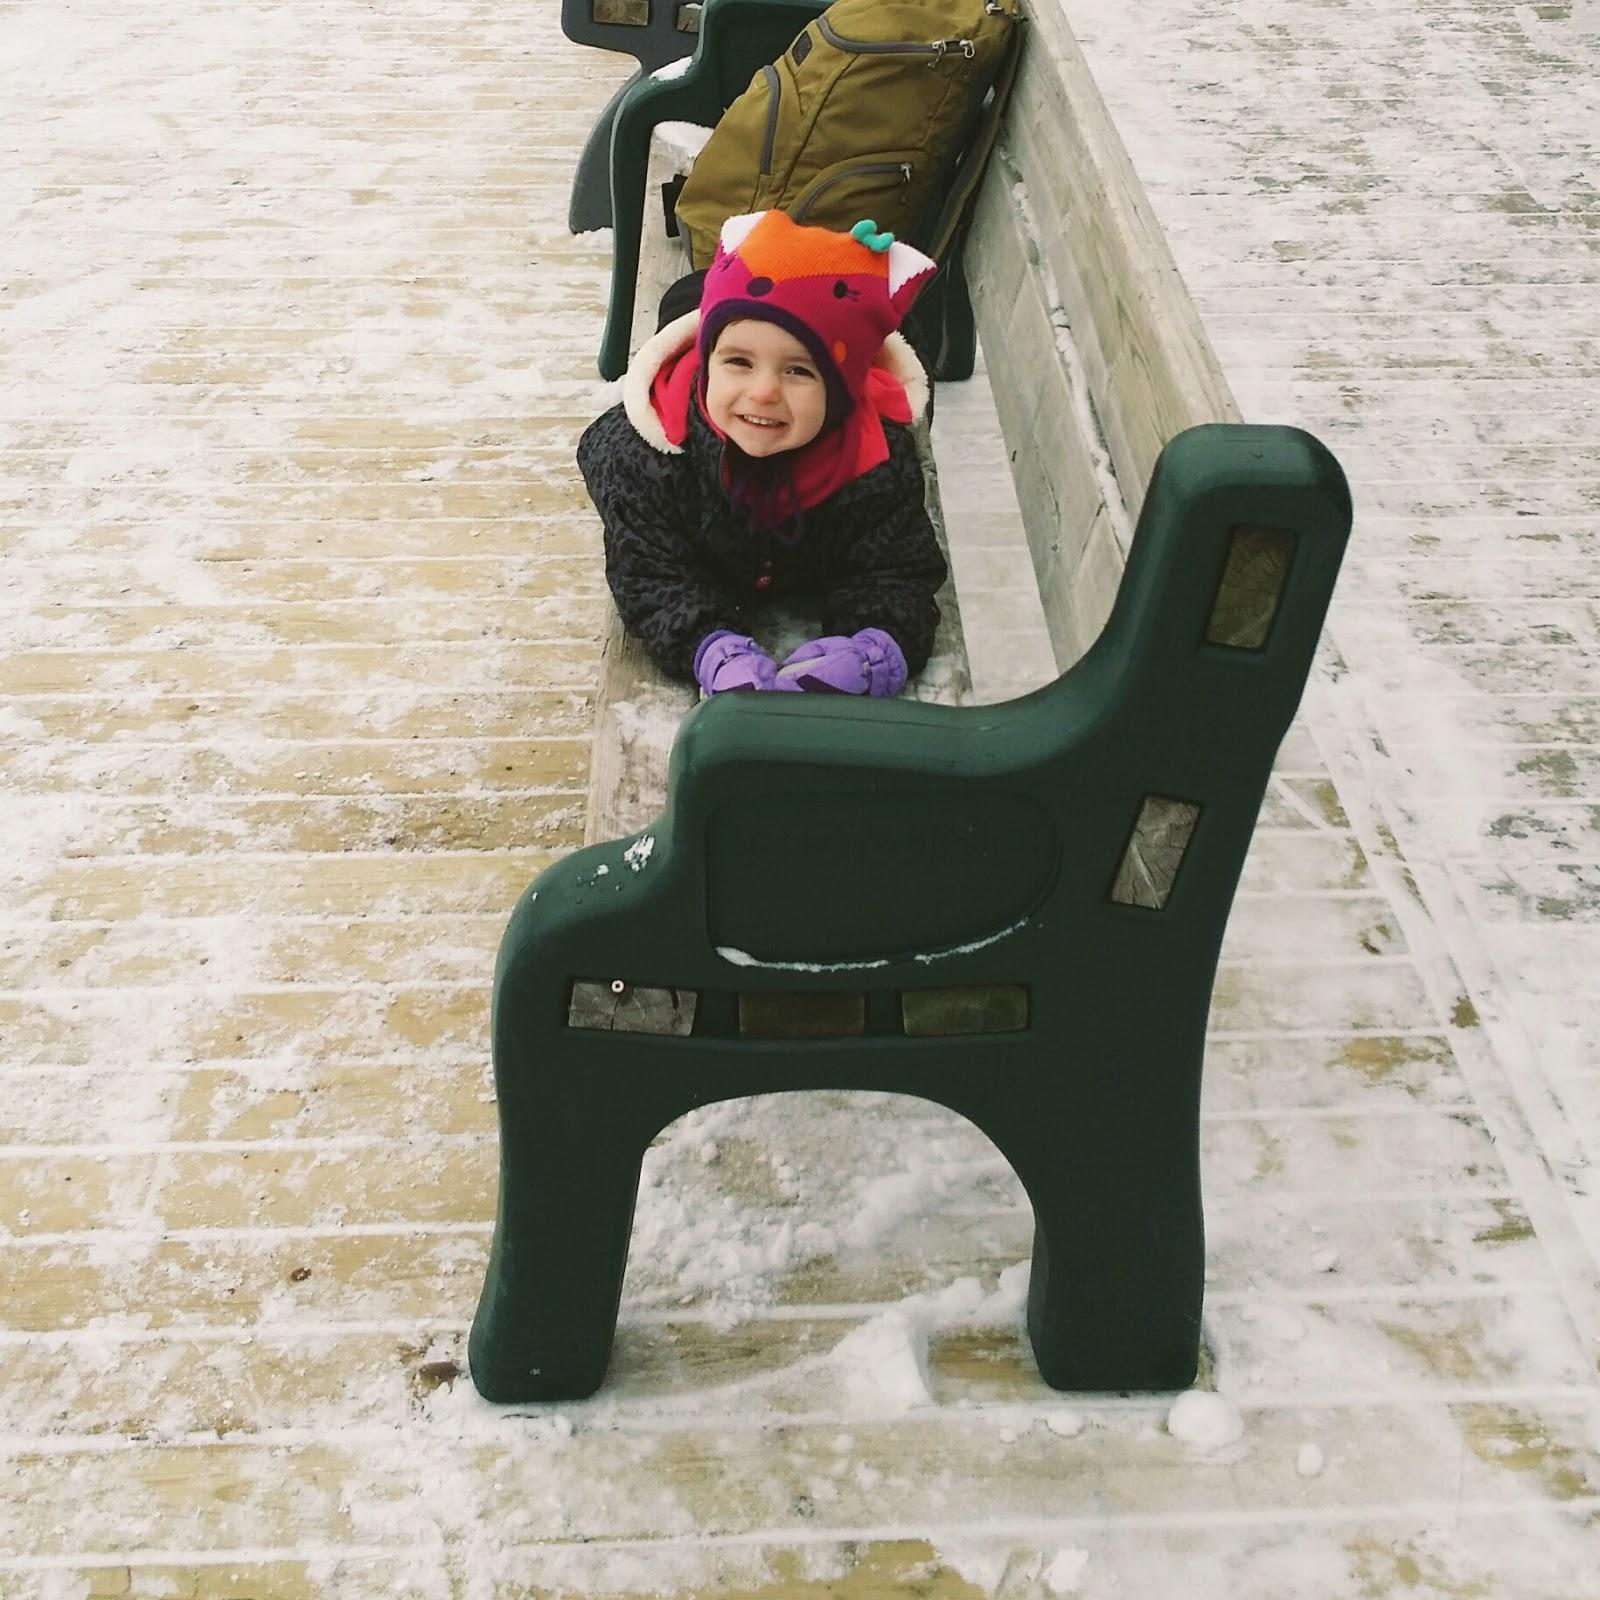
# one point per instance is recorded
(742, 958)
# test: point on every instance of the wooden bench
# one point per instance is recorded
(1013, 910)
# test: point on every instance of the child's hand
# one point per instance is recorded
(727, 662)
(868, 662)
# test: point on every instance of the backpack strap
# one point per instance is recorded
(976, 159)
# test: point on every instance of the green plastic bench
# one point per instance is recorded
(655, 33)
(1012, 910)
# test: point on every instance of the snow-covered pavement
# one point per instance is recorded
(1389, 220)
(299, 600)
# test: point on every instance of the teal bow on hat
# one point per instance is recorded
(867, 233)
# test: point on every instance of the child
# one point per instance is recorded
(762, 446)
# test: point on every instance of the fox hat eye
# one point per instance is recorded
(843, 291)
(759, 287)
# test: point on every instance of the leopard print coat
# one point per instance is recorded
(682, 562)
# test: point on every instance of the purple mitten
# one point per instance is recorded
(729, 662)
(868, 662)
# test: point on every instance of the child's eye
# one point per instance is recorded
(801, 372)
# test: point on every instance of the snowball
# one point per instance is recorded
(1065, 1424)
(983, 1566)
(1324, 1260)
(1065, 1572)
(1310, 1460)
(1205, 1420)
(885, 1363)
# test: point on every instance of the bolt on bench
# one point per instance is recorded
(1014, 909)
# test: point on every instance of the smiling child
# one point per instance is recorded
(763, 448)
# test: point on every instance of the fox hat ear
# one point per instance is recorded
(737, 229)
(908, 266)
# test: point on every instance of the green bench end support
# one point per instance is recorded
(1013, 910)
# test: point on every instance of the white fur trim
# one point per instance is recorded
(737, 229)
(653, 353)
(900, 361)
(905, 263)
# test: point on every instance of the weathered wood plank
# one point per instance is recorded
(242, 767)
(556, 535)
(448, 1179)
(211, 1021)
(726, 1480)
(1097, 353)
(1444, 1272)
(392, 710)
(503, 575)
(479, 622)
(252, 1378)
(1051, 462)
(294, 886)
(399, 1095)
(330, 668)
(1278, 863)
(1513, 1556)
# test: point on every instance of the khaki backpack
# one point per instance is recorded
(868, 114)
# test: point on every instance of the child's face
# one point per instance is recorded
(763, 389)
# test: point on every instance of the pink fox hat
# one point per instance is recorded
(840, 294)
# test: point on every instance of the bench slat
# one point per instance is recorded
(1095, 351)
(1148, 361)
(1058, 490)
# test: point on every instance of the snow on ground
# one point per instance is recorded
(301, 600)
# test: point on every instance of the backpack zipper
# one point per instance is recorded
(902, 167)
(774, 88)
(938, 48)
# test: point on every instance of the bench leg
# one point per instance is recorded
(548, 1313)
(590, 205)
(1118, 1277)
